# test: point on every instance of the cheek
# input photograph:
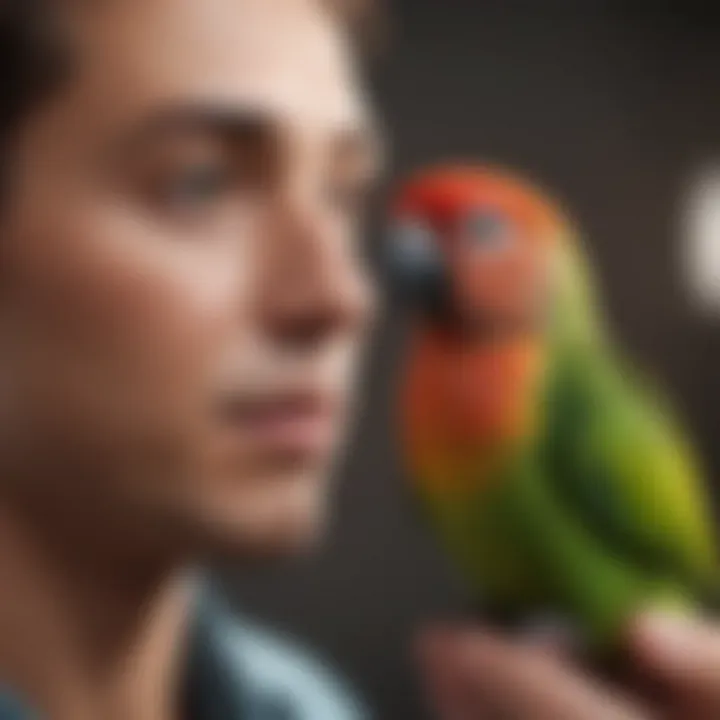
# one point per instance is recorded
(481, 282)
(497, 281)
(116, 318)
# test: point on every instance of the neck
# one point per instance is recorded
(83, 638)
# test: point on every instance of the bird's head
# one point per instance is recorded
(474, 250)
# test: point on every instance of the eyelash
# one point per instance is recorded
(199, 188)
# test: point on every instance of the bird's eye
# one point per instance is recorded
(489, 231)
(414, 243)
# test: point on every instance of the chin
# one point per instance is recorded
(280, 517)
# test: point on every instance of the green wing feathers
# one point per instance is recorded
(623, 466)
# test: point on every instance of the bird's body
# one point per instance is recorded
(553, 478)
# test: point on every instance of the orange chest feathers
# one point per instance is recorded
(460, 403)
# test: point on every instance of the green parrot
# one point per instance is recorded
(554, 477)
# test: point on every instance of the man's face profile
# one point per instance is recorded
(182, 296)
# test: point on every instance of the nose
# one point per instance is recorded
(314, 287)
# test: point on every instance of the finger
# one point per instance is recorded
(556, 641)
(682, 652)
(489, 675)
(446, 696)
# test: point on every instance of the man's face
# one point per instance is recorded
(182, 298)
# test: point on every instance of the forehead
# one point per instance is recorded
(287, 59)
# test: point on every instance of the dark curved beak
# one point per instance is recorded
(420, 282)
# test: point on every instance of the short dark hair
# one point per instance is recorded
(33, 60)
(34, 56)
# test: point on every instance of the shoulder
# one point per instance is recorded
(279, 670)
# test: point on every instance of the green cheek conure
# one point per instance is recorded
(553, 476)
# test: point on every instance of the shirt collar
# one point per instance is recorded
(216, 684)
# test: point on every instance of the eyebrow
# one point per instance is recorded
(361, 145)
(230, 122)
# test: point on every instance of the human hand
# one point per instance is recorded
(476, 675)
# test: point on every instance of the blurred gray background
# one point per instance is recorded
(613, 104)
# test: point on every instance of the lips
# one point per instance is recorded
(295, 422)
